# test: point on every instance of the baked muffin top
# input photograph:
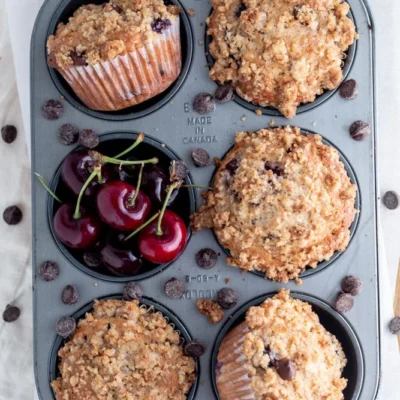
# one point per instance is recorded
(281, 201)
(280, 53)
(122, 351)
(97, 33)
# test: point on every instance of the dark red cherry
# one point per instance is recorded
(114, 209)
(81, 233)
(119, 257)
(77, 168)
(161, 249)
(128, 173)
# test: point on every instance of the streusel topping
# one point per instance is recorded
(280, 53)
(97, 33)
(122, 351)
(281, 201)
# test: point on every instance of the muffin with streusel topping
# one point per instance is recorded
(280, 351)
(281, 201)
(280, 53)
(118, 54)
(124, 351)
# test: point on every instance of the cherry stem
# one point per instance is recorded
(99, 176)
(164, 207)
(197, 186)
(139, 182)
(41, 180)
(77, 213)
(130, 236)
(139, 140)
(124, 162)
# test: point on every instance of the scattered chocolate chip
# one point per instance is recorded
(200, 157)
(194, 348)
(89, 138)
(12, 215)
(11, 313)
(49, 271)
(349, 89)
(92, 259)
(159, 25)
(232, 166)
(78, 59)
(286, 369)
(178, 170)
(70, 295)
(68, 134)
(9, 133)
(352, 285)
(174, 288)
(203, 103)
(394, 326)
(218, 368)
(359, 130)
(206, 258)
(344, 302)
(65, 326)
(223, 94)
(52, 109)
(275, 167)
(242, 7)
(132, 291)
(227, 298)
(390, 200)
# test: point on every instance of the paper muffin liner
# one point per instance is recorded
(132, 78)
(232, 375)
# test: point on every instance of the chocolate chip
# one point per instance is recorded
(200, 157)
(9, 133)
(116, 8)
(68, 134)
(349, 89)
(49, 271)
(132, 291)
(273, 357)
(394, 326)
(159, 25)
(92, 259)
(223, 94)
(275, 167)
(178, 170)
(89, 138)
(174, 288)
(218, 368)
(203, 103)
(52, 110)
(194, 348)
(206, 258)
(286, 369)
(78, 59)
(344, 302)
(359, 130)
(11, 313)
(12, 215)
(232, 166)
(390, 200)
(70, 295)
(242, 7)
(65, 326)
(227, 298)
(352, 285)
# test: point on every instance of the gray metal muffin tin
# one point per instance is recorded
(177, 125)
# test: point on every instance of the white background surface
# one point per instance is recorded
(16, 380)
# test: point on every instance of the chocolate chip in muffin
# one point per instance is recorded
(286, 369)
(68, 134)
(174, 288)
(344, 302)
(132, 291)
(349, 89)
(206, 258)
(227, 298)
(11, 313)
(360, 130)
(194, 348)
(352, 285)
(242, 7)
(70, 295)
(52, 110)
(78, 59)
(210, 309)
(223, 94)
(9, 133)
(394, 326)
(116, 8)
(12, 215)
(203, 103)
(92, 259)
(178, 170)
(232, 166)
(275, 167)
(390, 200)
(89, 138)
(159, 25)
(49, 271)
(218, 368)
(65, 326)
(273, 357)
(200, 157)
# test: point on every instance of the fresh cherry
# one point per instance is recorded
(128, 173)
(77, 233)
(117, 206)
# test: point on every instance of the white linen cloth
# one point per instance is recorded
(16, 377)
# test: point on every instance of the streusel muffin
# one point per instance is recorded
(120, 53)
(280, 53)
(280, 351)
(122, 351)
(281, 201)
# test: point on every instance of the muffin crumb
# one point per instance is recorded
(211, 310)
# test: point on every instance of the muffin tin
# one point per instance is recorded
(174, 123)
